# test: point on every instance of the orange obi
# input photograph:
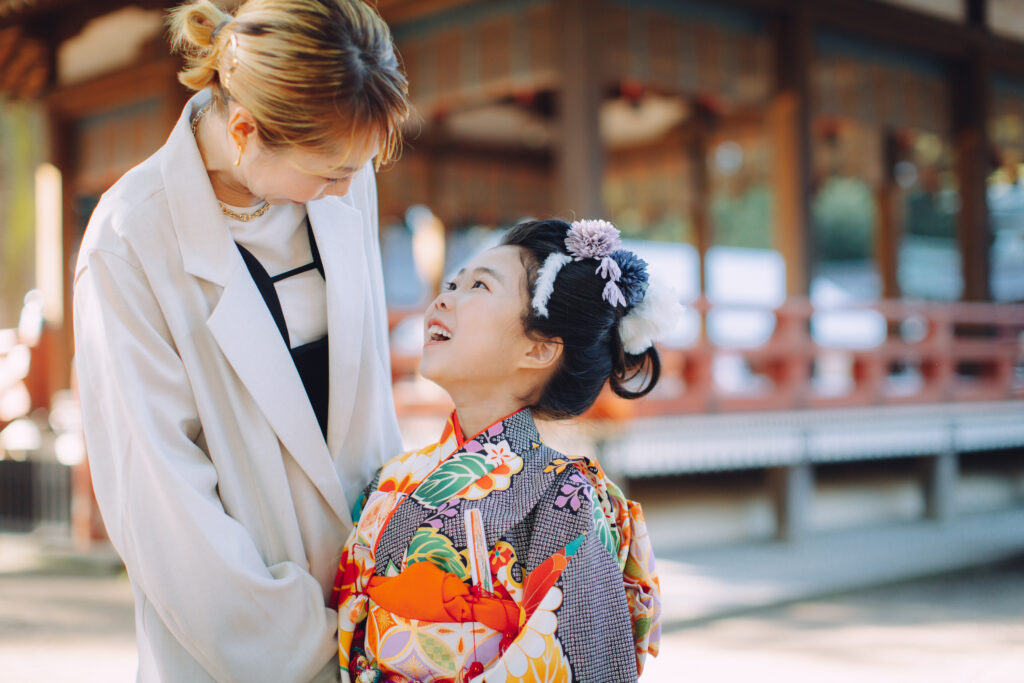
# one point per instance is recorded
(426, 592)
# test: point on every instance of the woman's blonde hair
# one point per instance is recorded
(309, 71)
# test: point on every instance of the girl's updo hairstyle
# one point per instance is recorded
(311, 72)
(588, 325)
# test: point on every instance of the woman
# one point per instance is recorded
(489, 556)
(228, 313)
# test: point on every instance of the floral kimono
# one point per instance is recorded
(498, 559)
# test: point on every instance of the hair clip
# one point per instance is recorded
(213, 34)
(226, 76)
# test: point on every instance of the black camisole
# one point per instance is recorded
(311, 360)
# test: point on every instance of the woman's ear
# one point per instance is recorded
(241, 125)
(543, 354)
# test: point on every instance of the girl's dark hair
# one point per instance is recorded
(588, 325)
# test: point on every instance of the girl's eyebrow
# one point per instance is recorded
(490, 271)
(484, 269)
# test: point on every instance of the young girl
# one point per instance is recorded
(488, 555)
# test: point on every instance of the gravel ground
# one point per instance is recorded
(964, 627)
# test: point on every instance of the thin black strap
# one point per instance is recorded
(317, 263)
(265, 283)
(293, 271)
(267, 290)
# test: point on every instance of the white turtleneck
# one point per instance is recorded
(279, 241)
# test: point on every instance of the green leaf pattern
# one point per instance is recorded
(608, 536)
(450, 478)
(429, 545)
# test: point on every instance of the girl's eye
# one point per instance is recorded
(450, 286)
(336, 180)
(480, 283)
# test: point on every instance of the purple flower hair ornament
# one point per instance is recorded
(598, 239)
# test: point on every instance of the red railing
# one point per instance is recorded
(925, 353)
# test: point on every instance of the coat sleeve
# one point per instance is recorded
(199, 569)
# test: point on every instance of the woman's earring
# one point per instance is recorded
(238, 161)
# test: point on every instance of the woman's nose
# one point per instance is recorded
(340, 188)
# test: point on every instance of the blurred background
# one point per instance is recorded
(833, 188)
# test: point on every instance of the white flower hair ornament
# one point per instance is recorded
(654, 317)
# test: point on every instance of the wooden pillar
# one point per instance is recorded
(580, 149)
(970, 94)
(888, 232)
(939, 479)
(790, 124)
(700, 215)
(793, 493)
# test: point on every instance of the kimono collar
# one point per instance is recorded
(518, 429)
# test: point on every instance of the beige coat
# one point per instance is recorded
(211, 471)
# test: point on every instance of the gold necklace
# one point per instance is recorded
(244, 217)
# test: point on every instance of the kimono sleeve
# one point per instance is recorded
(579, 629)
(355, 568)
(199, 570)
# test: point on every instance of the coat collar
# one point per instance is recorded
(207, 249)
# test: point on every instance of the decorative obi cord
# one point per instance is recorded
(311, 360)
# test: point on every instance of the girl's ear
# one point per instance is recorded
(542, 355)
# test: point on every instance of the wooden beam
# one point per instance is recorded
(397, 12)
(905, 28)
(451, 147)
(112, 90)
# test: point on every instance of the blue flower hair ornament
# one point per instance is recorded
(633, 277)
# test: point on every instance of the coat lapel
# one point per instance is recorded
(250, 340)
(207, 250)
(340, 234)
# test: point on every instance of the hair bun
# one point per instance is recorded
(194, 28)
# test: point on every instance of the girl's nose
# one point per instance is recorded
(441, 302)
